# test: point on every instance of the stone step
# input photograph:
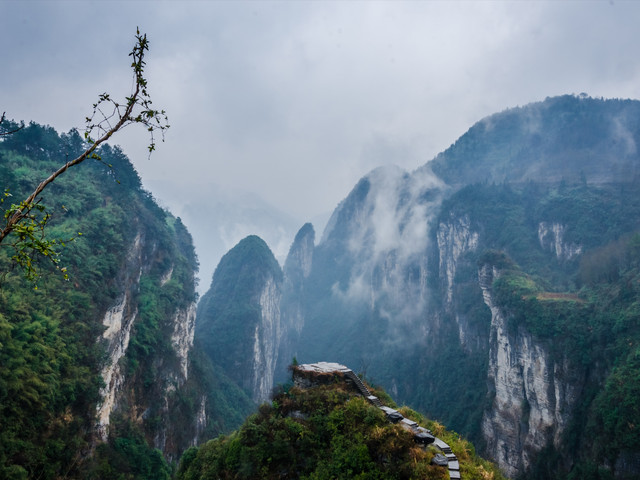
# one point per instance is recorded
(374, 400)
(441, 445)
(359, 385)
(395, 416)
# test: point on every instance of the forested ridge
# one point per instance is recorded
(50, 380)
(230, 311)
(581, 307)
(549, 265)
(50, 355)
(327, 432)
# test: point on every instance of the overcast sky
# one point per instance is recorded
(293, 102)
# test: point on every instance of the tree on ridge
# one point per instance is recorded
(25, 222)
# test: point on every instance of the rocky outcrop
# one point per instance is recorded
(532, 395)
(455, 238)
(119, 320)
(182, 337)
(551, 237)
(266, 341)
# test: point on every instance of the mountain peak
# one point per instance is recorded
(567, 138)
(330, 430)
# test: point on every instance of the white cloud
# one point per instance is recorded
(298, 100)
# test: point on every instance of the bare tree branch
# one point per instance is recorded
(9, 132)
(136, 109)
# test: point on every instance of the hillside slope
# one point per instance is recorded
(238, 321)
(328, 431)
(99, 374)
(397, 285)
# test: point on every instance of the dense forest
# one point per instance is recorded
(495, 289)
(51, 358)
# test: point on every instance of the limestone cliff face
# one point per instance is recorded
(532, 395)
(171, 437)
(266, 341)
(143, 282)
(238, 320)
(118, 321)
(182, 337)
(297, 269)
(551, 237)
(455, 239)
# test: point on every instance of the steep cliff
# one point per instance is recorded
(101, 370)
(296, 270)
(455, 241)
(394, 287)
(533, 394)
(238, 322)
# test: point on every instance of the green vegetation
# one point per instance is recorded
(25, 221)
(570, 138)
(326, 432)
(597, 330)
(229, 312)
(128, 457)
(582, 309)
(49, 380)
(50, 359)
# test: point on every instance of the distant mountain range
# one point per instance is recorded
(494, 288)
(218, 221)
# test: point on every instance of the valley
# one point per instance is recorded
(494, 289)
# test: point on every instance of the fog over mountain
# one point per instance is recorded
(495, 288)
(220, 218)
(468, 236)
(296, 101)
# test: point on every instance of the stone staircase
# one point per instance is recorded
(410, 425)
(364, 391)
(421, 435)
